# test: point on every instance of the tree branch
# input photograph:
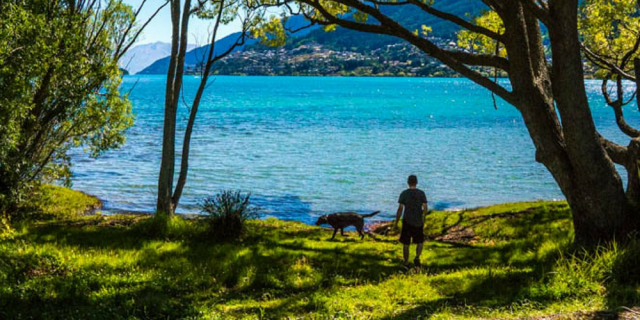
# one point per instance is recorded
(617, 153)
(186, 142)
(482, 60)
(597, 59)
(617, 108)
(198, 6)
(392, 27)
(636, 69)
(457, 20)
(121, 51)
(495, 5)
(539, 9)
(331, 19)
(628, 55)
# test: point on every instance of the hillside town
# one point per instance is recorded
(315, 59)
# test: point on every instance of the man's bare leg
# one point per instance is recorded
(418, 253)
(405, 253)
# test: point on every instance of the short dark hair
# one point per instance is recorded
(412, 180)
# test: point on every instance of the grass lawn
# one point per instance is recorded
(506, 261)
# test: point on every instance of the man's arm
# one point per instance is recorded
(425, 204)
(399, 214)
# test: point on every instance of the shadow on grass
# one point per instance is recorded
(284, 264)
(163, 278)
(521, 222)
(91, 233)
(43, 286)
(274, 271)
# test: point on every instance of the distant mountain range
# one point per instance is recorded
(195, 56)
(340, 41)
(141, 56)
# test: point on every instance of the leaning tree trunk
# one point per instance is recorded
(570, 149)
(601, 210)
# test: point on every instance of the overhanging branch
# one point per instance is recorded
(457, 20)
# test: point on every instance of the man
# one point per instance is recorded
(413, 202)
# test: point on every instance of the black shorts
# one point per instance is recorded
(410, 232)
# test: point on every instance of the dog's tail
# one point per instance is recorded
(370, 214)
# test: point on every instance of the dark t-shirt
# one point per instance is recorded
(412, 199)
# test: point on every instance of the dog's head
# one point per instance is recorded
(322, 220)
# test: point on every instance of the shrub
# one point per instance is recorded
(227, 213)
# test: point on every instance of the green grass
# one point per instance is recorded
(57, 202)
(517, 262)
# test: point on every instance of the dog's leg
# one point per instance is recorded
(342, 232)
(334, 233)
(360, 227)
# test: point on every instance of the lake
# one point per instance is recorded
(305, 146)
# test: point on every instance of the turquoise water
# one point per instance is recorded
(306, 146)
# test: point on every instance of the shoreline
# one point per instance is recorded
(371, 222)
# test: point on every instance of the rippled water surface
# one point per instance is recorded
(304, 146)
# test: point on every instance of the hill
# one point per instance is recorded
(408, 16)
(194, 57)
(343, 43)
(313, 59)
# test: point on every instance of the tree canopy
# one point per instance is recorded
(59, 87)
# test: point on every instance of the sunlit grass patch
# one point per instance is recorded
(58, 202)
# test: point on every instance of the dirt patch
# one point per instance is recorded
(630, 313)
(455, 234)
(384, 228)
(106, 221)
(624, 314)
(508, 215)
(458, 234)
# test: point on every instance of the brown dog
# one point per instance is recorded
(340, 220)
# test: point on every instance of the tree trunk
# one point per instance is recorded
(164, 205)
(601, 211)
(186, 143)
(570, 149)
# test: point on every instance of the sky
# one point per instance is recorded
(160, 27)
